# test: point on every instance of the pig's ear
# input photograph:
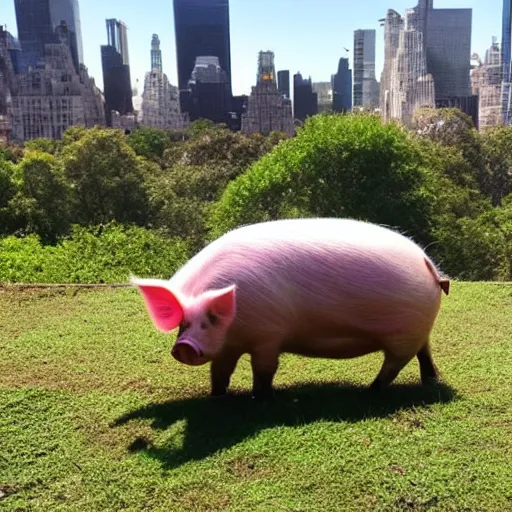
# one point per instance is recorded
(162, 305)
(222, 304)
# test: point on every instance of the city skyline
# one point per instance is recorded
(311, 43)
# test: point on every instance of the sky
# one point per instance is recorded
(306, 35)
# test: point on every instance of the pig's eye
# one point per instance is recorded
(212, 318)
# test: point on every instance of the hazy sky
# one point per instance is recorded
(306, 35)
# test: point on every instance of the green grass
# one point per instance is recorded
(96, 415)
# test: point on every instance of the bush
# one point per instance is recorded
(43, 199)
(340, 166)
(106, 176)
(104, 254)
(480, 248)
(24, 260)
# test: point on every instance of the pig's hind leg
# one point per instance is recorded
(398, 352)
(221, 370)
(428, 370)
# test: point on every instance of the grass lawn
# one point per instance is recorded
(96, 415)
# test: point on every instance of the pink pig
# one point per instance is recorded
(332, 288)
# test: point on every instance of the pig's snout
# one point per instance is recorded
(188, 352)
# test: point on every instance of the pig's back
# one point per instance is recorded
(290, 268)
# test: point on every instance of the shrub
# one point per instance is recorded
(480, 248)
(340, 166)
(103, 254)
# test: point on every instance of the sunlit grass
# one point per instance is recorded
(96, 415)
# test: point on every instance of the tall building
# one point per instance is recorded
(366, 87)
(486, 81)
(160, 100)
(426, 52)
(305, 100)
(208, 94)
(202, 29)
(506, 62)
(283, 83)
(156, 54)
(324, 94)
(7, 84)
(448, 44)
(116, 70)
(267, 110)
(48, 100)
(409, 86)
(342, 87)
(393, 25)
(37, 22)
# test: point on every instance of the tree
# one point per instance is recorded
(107, 178)
(222, 148)
(50, 146)
(43, 198)
(149, 142)
(452, 128)
(497, 156)
(342, 166)
(8, 189)
(479, 248)
(181, 198)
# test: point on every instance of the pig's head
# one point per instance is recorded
(203, 321)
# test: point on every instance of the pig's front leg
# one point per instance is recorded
(221, 370)
(264, 362)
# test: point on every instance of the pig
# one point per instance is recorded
(315, 287)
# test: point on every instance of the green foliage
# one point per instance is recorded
(50, 146)
(453, 129)
(478, 248)
(43, 199)
(11, 153)
(107, 178)
(197, 172)
(201, 127)
(148, 142)
(24, 259)
(337, 165)
(497, 155)
(98, 254)
(73, 134)
(181, 198)
(7, 192)
(224, 148)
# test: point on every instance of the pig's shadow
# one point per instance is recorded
(213, 424)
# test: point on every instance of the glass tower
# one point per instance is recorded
(37, 22)
(202, 29)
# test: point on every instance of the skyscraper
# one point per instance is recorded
(207, 95)
(116, 70)
(160, 100)
(202, 29)
(267, 110)
(156, 54)
(506, 57)
(283, 83)
(426, 60)
(305, 101)
(365, 84)
(37, 22)
(342, 87)
(448, 43)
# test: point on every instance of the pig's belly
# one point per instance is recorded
(333, 347)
